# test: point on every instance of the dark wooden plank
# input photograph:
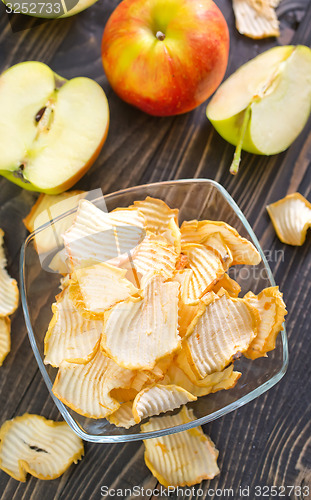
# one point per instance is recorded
(264, 443)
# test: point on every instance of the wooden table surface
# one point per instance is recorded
(267, 442)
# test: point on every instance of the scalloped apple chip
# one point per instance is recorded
(144, 378)
(223, 327)
(96, 236)
(270, 305)
(229, 284)
(207, 269)
(173, 234)
(157, 214)
(291, 218)
(70, 337)
(181, 362)
(139, 331)
(256, 19)
(9, 294)
(153, 255)
(59, 263)
(85, 388)
(43, 448)
(181, 459)
(242, 250)
(186, 312)
(159, 399)
(5, 338)
(216, 242)
(123, 395)
(97, 288)
(123, 416)
(214, 382)
(130, 228)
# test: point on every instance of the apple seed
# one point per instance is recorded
(40, 114)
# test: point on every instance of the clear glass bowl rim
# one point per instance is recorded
(163, 432)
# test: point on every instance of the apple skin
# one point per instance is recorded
(230, 128)
(61, 187)
(170, 76)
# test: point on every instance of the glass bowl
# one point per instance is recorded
(196, 199)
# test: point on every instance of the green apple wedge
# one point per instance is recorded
(51, 129)
(265, 104)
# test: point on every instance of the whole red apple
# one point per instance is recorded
(165, 56)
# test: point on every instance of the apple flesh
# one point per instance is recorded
(265, 104)
(51, 129)
(79, 7)
(165, 56)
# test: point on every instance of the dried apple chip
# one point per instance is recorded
(159, 399)
(173, 235)
(229, 284)
(242, 250)
(130, 228)
(186, 312)
(9, 294)
(153, 255)
(272, 311)
(46, 209)
(96, 288)
(207, 269)
(181, 360)
(216, 242)
(32, 444)
(157, 214)
(70, 336)
(214, 382)
(96, 236)
(256, 19)
(181, 459)
(291, 218)
(144, 378)
(38, 215)
(223, 327)
(123, 416)
(5, 338)
(123, 395)
(86, 388)
(60, 263)
(139, 331)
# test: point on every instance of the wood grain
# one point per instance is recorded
(266, 442)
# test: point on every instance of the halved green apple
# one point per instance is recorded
(265, 104)
(51, 129)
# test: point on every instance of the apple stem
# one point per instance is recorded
(160, 36)
(234, 168)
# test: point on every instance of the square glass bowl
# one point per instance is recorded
(196, 199)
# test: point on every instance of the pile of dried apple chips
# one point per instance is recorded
(148, 320)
